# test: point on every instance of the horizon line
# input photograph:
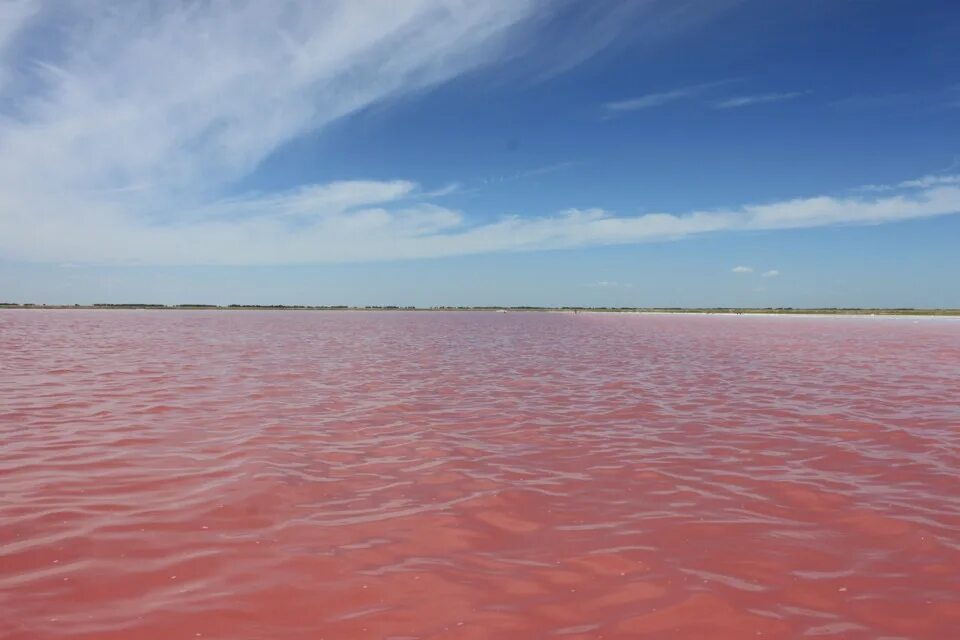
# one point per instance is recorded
(942, 311)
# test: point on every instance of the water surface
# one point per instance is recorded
(305, 475)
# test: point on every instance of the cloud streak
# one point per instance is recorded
(746, 101)
(658, 99)
(650, 100)
(918, 183)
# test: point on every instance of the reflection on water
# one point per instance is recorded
(477, 475)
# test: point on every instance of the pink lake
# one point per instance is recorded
(455, 475)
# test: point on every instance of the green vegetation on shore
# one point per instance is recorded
(904, 311)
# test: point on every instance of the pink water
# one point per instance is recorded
(307, 475)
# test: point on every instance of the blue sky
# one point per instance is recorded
(681, 153)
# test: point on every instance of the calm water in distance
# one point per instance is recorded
(305, 475)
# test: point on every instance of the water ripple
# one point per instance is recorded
(476, 475)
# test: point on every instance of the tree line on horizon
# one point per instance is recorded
(787, 310)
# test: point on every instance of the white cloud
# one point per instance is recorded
(13, 15)
(743, 101)
(742, 269)
(309, 202)
(365, 220)
(772, 273)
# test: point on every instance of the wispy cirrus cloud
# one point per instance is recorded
(764, 98)
(139, 119)
(917, 183)
(742, 269)
(187, 97)
(772, 273)
(701, 91)
(650, 100)
(14, 15)
(657, 99)
(531, 173)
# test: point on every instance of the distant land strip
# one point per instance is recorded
(899, 311)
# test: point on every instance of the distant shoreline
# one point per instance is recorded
(785, 311)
